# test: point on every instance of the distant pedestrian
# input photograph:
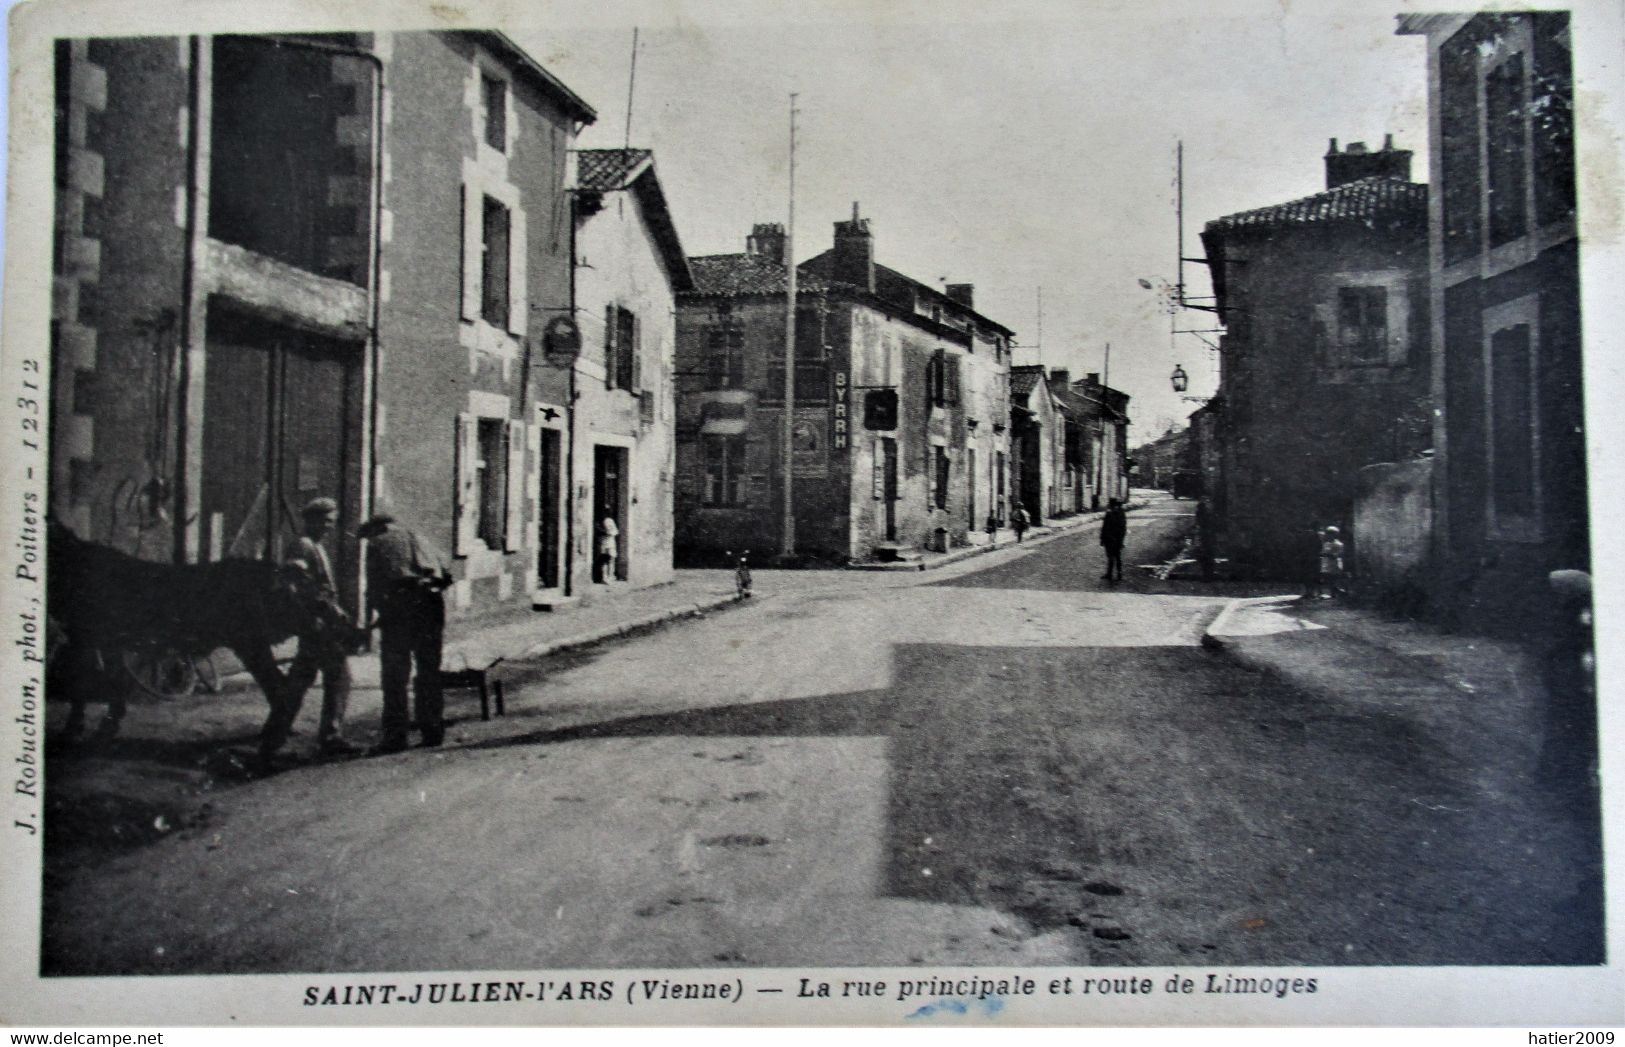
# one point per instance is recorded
(991, 526)
(1113, 532)
(407, 577)
(323, 654)
(1330, 575)
(609, 548)
(1204, 538)
(1019, 520)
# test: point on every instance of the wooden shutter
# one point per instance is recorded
(610, 332)
(634, 352)
(473, 217)
(518, 291)
(513, 530)
(467, 498)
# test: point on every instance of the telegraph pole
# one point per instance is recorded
(787, 463)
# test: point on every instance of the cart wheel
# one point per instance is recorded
(161, 671)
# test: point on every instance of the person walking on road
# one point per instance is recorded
(326, 655)
(1204, 538)
(407, 578)
(1019, 520)
(1331, 564)
(1113, 531)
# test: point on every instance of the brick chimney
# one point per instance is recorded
(1357, 161)
(766, 240)
(964, 294)
(1092, 378)
(854, 260)
(1060, 378)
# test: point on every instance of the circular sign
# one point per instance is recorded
(561, 342)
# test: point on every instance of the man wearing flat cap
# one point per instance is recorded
(327, 655)
(406, 577)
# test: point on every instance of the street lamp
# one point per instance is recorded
(1181, 380)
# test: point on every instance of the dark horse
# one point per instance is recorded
(105, 601)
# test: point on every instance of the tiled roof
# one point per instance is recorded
(1362, 200)
(607, 170)
(1024, 380)
(730, 274)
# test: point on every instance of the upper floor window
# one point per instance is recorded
(621, 356)
(1506, 152)
(725, 359)
(1362, 324)
(495, 92)
(495, 238)
(942, 379)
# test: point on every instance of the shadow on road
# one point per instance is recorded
(1173, 809)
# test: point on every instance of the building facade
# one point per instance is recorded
(1324, 362)
(901, 406)
(629, 268)
(1158, 462)
(323, 265)
(1510, 488)
(1038, 445)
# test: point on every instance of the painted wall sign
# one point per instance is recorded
(840, 411)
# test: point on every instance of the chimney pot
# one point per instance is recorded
(1358, 161)
(767, 240)
(854, 255)
(1332, 148)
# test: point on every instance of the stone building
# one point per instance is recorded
(1038, 445)
(900, 416)
(630, 266)
(317, 265)
(1157, 462)
(1324, 363)
(1510, 488)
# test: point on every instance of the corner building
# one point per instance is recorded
(864, 333)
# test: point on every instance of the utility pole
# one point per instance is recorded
(787, 463)
(1038, 339)
(631, 82)
(1179, 220)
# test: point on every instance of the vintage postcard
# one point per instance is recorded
(812, 513)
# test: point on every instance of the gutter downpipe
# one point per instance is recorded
(567, 579)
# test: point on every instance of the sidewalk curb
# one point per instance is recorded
(1211, 638)
(626, 628)
(1050, 532)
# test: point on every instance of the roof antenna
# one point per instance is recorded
(631, 81)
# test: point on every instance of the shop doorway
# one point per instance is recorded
(549, 503)
(609, 499)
